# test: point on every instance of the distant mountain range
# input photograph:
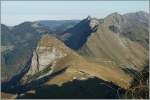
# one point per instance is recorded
(45, 53)
(58, 26)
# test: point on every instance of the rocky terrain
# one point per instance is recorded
(103, 58)
(79, 32)
(18, 43)
(52, 56)
(128, 33)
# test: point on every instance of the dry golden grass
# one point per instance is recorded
(5, 96)
(76, 64)
(69, 75)
(114, 75)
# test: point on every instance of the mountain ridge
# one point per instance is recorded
(113, 50)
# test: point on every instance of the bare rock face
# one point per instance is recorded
(49, 50)
(93, 22)
(121, 40)
(42, 59)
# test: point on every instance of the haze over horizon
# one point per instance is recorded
(16, 12)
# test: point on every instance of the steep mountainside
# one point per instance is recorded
(51, 56)
(137, 28)
(18, 42)
(75, 37)
(17, 45)
(119, 39)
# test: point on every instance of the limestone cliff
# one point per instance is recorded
(51, 56)
(48, 51)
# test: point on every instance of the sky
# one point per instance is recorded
(15, 12)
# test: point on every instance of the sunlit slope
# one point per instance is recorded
(51, 56)
(110, 42)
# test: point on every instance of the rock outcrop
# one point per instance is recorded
(51, 56)
(75, 37)
(47, 53)
(19, 41)
(120, 41)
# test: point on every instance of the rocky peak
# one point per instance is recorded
(122, 33)
(93, 22)
(36, 25)
(89, 18)
(76, 36)
(140, 16)
(114, 18)
(48, 51)
(113, 15)
(115, 22)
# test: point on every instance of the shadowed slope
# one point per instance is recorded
(85, 89)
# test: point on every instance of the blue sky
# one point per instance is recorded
(15, 12)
